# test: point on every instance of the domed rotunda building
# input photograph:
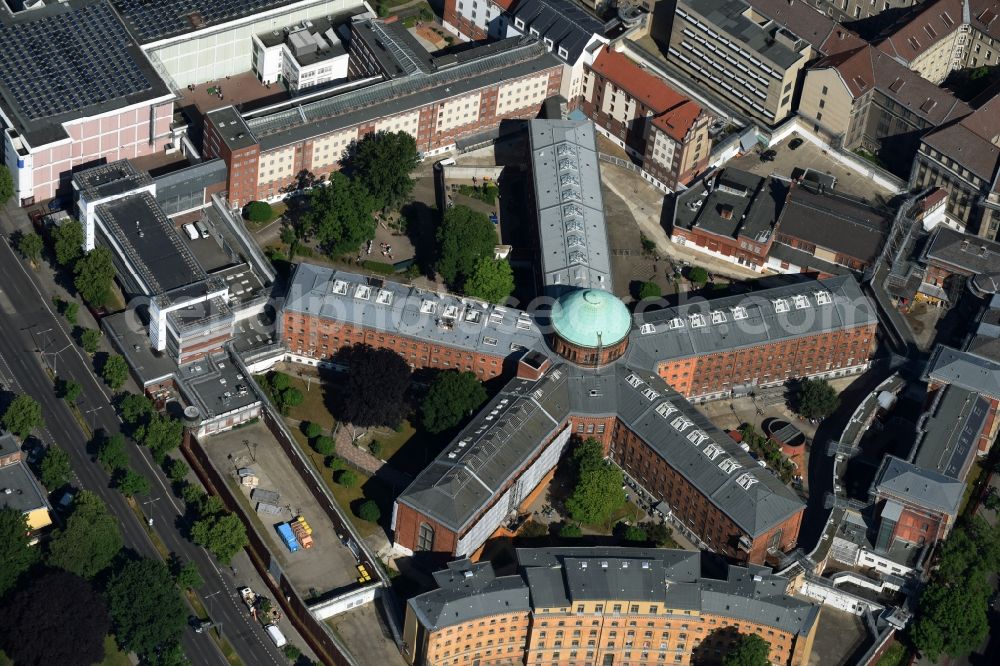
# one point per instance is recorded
(590, 327)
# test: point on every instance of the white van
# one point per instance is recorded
(275, 635)
(191, 232)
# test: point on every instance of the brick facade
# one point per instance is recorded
(742, 250)
(772, 363)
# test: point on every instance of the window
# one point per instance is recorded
(425, 537)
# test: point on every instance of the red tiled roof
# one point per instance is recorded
(675, 113)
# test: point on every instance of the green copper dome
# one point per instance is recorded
(590, 318)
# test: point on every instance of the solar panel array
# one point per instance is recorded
(158, 19)
(68, 61)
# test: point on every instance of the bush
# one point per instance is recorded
(312, 430)
(649, 290)
(177, 470)
(347, 478)
(291, 652)
(532, 529)
(635, 534)
(335, 463)
(570, 531)
(258, 211)
(90, 339)
(375, 447)
(369, 511)
(71, 311)
(379, 267)
(698, 275)
(323, 445)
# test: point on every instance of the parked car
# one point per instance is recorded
(57, 204)
(202, 228)
(794, 143)
(191, 232)
(768, 155)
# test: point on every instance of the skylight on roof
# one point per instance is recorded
(363, 292)
(780, 305)
(665, 409)
(801, 301)
(697, 320)
(675, 323)
(340, 287)
(822, 297)
(492, 342)
(729, 465)
(739, 312)
(746, 480)
(428, 307)
(718, 317)
(450, 312)
(634, 381)
(650, 394)
(496, 318)
(384, 297)
(713, 451)
(681, 424)
(696, 437)
(647, 329)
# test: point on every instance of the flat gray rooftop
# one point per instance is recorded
(150, 242)
(110, 179)
(216, 385)
(573, 237)
(25, 492)
(834, 222)
(69, 60)
(727, 16)
(951, 431)
(900, 479)
(732, 204)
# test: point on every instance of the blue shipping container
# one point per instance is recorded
(285, 530)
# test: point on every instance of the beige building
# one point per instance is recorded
(852, 10)
(619, 606)
(738, 54)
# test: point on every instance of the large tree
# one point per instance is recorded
(145, 605)
(135, 409)
(750, 650)
(375, 387)
(55, 468)
(452, 396)
(161, 434)
(95, 272)
(67, 241)
(339, 215)
(30, 245)
(492, 280)
(817, 399)
(464, 237)
(112, 454)
(23, 415)
(115, 371)
(223, 534)
(16, 556)
(597, 492)
(58, 618)
(382, 163)
(90, 540)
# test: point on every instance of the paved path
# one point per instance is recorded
(367, 462)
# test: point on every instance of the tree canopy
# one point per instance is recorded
(111, 453)
(95, 272)
(492, 280)
(58, 618)
(382, 163)
(698, 275)
(16, 556)
(464, 237)
(161, 434)
(145, 606)
(115, 371)
(368, 510)
(30, 245)
(817, 399)
(55, 470)
(90, 540)
(340, 215)
(90, 339)
(278, 387)
(67, 241)
(258, 211)
(750, 650)
(597, 492)
(6, 184)
(23, 415)
(952, 613)
(649, 290)
(130, 483)
(375, 387)
(135, 408)
(452, 396)
(223, 534)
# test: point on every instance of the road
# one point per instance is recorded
(27, 323)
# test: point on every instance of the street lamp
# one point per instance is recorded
(55, 358)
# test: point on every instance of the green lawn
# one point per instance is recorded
(315, 407)
(112, 655)
(627, 511)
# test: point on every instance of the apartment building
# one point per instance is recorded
(666, 131)
(603, 605)
(741, 56)
(475, 20)
(963, 159)
(864, 98)
(824, 328)
(953, 260)
(440, 101)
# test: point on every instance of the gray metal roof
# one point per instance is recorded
(215, 385)
(966, 369)
(966, 252)
(397, 52)
(26, 493)
(559, 577)
(916, 485)
(732, 203)
(573, 240)
(564, 22)
(462, 323)
(68, 60)
(728, 17)
(951, 430)
(479, 68)
(8, 444)
(748, 320)
(150, 243)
